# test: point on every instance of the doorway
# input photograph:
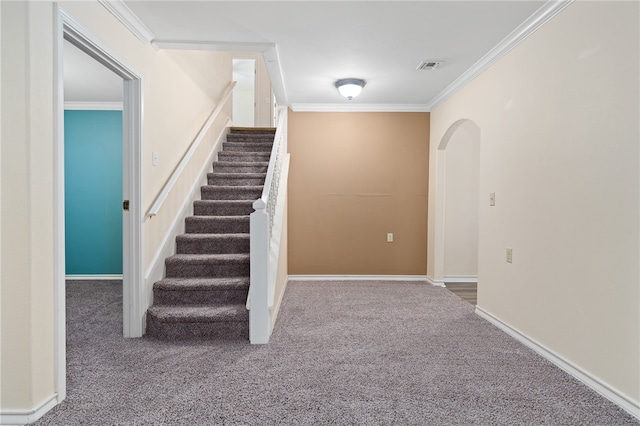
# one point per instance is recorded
(244, 94)
(457, 204)
(69, 30)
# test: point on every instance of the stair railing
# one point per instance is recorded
(265, 227)
(166, 189)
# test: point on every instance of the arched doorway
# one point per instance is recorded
(457, 204)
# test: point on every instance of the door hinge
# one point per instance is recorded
(125, 205)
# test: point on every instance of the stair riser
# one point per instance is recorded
(246, 147)
(214, 225)
(197, 330)
(261, 138)
(187, 269)
(218, 208)
(212, 179)
(231, 245)
(200, 297)
(216, 193)
(243, 157)
(217, 167)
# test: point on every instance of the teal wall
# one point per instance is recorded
(93, 192)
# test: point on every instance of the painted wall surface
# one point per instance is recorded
(354, 177)
(93, 192)
(558, 117)
(180, 90)
(462, 161)
(26, 197)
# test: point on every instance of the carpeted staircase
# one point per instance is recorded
(205, 291)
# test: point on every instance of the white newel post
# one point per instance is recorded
(259, 321)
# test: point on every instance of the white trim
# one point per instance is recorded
(435, 283)
(129, 19)
(460, 279)
(92, 277)
(624, 402)
(358, 278)
(217, 46)
(540, 17)
(360, 108)
(272, 62)
(23, 417)
(155, 270)
(166, 189)
(93, 106)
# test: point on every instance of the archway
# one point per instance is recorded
(457, 203)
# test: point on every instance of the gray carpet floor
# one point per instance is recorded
(342, 353)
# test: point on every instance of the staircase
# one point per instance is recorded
(204, 294)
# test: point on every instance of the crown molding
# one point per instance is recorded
(218, 46)
(93, 106)
(359, 108)
(129, 19)
(540, 17)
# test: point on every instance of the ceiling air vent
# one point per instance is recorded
(428, 65)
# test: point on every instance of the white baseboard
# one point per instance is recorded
(23, 417)
(93, 277)
(435, 282)
(460, 279)
(358, 278)
(167, 248)
(632, 407)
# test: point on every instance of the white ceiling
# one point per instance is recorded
(319, 42)
(316, 43)
(86, 80)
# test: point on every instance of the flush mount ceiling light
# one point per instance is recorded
(350, 87)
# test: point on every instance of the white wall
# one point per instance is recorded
(462, 161)
(558, 117)
(180, 90)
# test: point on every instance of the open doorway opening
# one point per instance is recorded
(92, 168)
(244, 94)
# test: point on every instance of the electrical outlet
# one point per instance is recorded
(492, 199)
(154, 158)
(390, 237)
(509, 255)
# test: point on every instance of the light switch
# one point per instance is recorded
(492, 199)
(390, 237)
(154, 158)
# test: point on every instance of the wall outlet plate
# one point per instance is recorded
(509, 255)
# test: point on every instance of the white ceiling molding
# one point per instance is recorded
(94, 106)
(272, 62)
(129, 19)
(218, 46)
(359, 108)
(540, 17)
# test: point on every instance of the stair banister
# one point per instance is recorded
(166, 189)
(264, 246)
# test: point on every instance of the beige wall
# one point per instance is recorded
(180, 89)
(354, 177)
(558, 117)
(462, 161)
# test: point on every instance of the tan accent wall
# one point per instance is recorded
(355, 177)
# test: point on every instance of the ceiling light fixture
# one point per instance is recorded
(350, 87)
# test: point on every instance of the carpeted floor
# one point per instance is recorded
(342, 353)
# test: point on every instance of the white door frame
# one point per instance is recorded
(68, 28)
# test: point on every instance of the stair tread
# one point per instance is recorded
(200, 313)
(212, 236)
(241, 218)
(192, 284)
(235, 188)
(239, 175)
(241, 163)
(240, 257)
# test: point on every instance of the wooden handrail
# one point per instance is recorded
(166, 189)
